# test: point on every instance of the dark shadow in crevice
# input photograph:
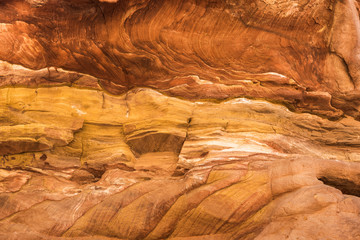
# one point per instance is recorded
(344, 185)
(96, 172)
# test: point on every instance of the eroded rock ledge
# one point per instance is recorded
(303, 54)
(147, 119)
(148, 166)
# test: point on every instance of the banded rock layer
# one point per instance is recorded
(147, 119)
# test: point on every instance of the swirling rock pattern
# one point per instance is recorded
(154, 119)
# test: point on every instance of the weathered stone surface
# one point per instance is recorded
(300, 53)
(147, 119)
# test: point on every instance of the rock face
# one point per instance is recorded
(154, 119)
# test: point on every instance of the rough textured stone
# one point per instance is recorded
(148, 119)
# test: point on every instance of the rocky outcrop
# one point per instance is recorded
(185, 119)
(304, 54)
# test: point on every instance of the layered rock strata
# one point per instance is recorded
(147, 166)
(185, 119)
(303, 54)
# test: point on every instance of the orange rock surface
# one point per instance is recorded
(180, 119)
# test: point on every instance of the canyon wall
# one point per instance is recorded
(192, 119)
